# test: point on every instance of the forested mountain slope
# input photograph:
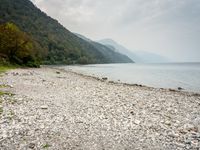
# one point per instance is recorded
(57, 44)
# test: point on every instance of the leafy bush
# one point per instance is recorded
(16, 46)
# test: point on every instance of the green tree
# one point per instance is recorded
(83, 60)
(16, 45)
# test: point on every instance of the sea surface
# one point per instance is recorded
(166, 75)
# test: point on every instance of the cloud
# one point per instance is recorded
(167, 27)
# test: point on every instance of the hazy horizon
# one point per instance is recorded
(166, 27)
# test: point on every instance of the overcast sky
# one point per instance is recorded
(167, 27)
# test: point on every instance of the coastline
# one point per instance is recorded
(61, 109)
(107, 80)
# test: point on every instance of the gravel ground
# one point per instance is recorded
(54, 109)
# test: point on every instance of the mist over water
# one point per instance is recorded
(168, 75)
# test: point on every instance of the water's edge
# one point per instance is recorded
(105, 79)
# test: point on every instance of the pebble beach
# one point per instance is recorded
(48, 108)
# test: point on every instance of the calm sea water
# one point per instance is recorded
(169, 75)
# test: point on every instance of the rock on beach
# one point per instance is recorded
(55, 109)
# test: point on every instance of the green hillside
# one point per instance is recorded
(56, 44)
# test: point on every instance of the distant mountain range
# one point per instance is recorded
(57, 44)
(137, 56)
(109, 50)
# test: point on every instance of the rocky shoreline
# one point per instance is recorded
(49, 108)
(106, 79)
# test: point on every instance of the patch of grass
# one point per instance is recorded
(46, 146)
(6, 93)
(1, 93)
(4, 68)
(1, 110)
(4, 86)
